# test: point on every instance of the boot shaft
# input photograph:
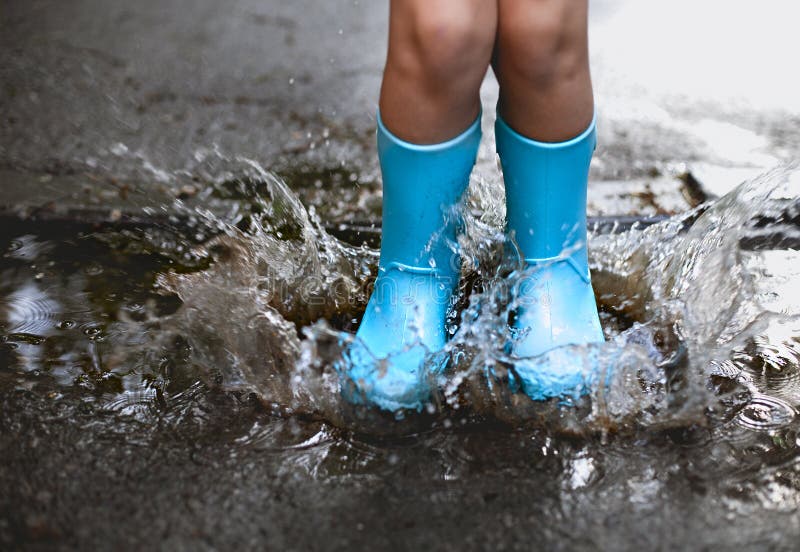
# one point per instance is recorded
(546, 193)
(422, 190)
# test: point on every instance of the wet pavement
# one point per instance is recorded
(107, 108)
(129, 94)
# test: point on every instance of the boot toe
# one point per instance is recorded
(559, 373)
(392, 383)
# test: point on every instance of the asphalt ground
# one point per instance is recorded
(107, 105)
(99, 91)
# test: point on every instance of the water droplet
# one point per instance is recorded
(119, 149)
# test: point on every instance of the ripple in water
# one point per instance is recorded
(764, 412)
(29, 310)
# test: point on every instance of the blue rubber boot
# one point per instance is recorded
(546, 218)
(418, 271)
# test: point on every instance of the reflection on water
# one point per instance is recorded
(228, 354)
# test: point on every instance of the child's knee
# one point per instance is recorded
(447, 46)
(543, 42)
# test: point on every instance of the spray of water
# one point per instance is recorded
(695, 309)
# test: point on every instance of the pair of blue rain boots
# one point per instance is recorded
(393, 364)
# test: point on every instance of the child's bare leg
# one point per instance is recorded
(542, 65)
(439, 51)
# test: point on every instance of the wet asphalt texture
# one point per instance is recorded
(94, 93)
(98, 94)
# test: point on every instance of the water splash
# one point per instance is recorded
(701, 296)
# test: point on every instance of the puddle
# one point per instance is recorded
(161, 362)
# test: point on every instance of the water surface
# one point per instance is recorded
(160, 387)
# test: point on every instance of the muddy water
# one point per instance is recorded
(160, 388)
